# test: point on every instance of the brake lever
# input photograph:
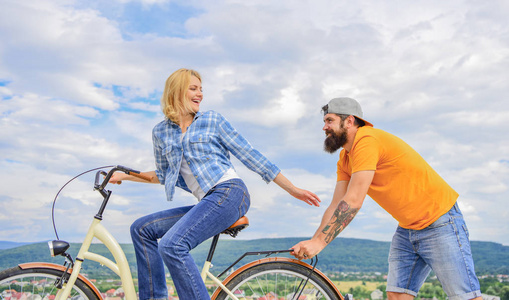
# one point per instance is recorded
(97, 177)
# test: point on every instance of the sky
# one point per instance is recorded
(81, 81)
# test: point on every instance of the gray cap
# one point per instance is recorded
(345, 106)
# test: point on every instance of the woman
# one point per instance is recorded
(192, 152)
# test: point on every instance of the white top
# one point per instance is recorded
(192, 183)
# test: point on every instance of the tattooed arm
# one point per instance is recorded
(339, 194)
(343, 215)
(346, 202)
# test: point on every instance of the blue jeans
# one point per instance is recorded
(442, 247)
(179, 230)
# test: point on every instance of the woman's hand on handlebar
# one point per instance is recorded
(118, 177)
(147, 177)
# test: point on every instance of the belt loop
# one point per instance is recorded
(456, 207)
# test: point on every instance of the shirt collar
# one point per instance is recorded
(196, 116)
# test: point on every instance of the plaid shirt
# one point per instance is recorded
(205, 146)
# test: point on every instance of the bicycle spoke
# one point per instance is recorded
(250, 287)
(280, 280)
(38, 285)
(261, 287)
(294, 285)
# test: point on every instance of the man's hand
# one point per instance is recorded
(308, 249)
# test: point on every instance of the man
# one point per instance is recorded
(431, 234)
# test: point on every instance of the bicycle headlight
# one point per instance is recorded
(58, 247)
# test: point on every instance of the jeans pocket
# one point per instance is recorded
(217, 195)
(442, 221)
(466, 230)
(244, 205)
(225, 192)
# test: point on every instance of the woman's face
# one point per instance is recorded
(194, 93)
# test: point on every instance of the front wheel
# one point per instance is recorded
(276, 280)
(37, 283)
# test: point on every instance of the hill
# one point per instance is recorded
(343, 255)
(8, 245)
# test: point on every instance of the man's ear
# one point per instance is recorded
(350, 121)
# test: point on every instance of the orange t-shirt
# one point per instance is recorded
(404, 184)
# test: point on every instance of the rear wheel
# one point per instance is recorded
(37, 284)
(276, 280)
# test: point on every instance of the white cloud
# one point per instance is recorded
(285, 110)
(31, 108)
(78, 90)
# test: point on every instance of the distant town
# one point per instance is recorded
(363, 286)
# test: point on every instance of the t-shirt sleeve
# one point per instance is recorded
(343, 167)
(365, 154)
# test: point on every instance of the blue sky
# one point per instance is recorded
(80, 83)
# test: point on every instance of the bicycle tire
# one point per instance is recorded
(275, 279)
(39, 281)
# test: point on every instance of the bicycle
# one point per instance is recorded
(269, 277)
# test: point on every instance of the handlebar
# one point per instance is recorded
(139, 175)
(105, 193)
(107, 176)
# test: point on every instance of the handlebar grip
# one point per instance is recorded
(142, 176)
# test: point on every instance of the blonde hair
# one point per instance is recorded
(173, 101)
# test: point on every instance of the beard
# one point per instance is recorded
(335, 140)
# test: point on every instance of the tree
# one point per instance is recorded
(504, 293)
(383, 288)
